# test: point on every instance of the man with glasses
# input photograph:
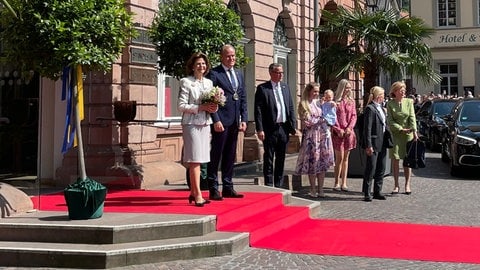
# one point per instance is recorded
(274, 121)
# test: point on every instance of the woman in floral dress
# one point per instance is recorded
(315, 156)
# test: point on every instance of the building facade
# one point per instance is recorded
(455, 44)
(131, 131)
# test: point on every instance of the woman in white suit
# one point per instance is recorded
(196, 121)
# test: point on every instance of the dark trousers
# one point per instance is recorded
(224, 149)
(275, 146)
(374, 169)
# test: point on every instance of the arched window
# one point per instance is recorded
(233, 5)
(280, 49)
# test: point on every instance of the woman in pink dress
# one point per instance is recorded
(315, 156)
(343, 137)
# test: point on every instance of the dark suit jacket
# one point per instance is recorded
(266, 110)
(234, 111)
(372, 128)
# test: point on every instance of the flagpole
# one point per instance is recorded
(81, 156)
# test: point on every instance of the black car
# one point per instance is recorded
(430, 123)
(462, 142)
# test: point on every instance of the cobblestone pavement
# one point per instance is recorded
(436, 198)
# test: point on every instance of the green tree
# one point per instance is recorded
(374, 42)
(48, 35)
(183, 27)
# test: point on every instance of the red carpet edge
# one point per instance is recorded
(273, 225)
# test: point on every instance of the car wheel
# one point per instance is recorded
(454, 170)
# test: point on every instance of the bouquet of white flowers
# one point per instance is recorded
(215, 95)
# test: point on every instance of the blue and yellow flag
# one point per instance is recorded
(68, 93)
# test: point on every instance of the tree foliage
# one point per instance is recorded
(51, 34)
(183, 27)
(379, 41)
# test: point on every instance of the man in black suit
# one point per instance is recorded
(274, 120)
(227, 122)
(373, 143)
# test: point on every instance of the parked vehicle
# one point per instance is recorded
(461, 145)
(430, 123)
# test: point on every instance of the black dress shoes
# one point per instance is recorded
(215, 196)
(367, 199)
(231, 194)
(379, 197)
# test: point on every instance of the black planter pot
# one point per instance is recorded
(125, 110)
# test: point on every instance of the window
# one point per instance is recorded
(478, 12)
(168, 88)
(447, 13)
(404, 4)
(280, 49)
(449, 84)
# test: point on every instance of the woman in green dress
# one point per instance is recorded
(403, 126)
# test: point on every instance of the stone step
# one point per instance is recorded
(111, 228)
(50, 239)
(93, 256)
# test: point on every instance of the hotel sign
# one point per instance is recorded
(454, 38)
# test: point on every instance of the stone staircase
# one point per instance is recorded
(50, 239)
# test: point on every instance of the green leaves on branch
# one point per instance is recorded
(51, 34)
(183, 27)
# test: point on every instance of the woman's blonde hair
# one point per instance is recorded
(303, 105)
(375, 92)
(395, 86)
(341, 89)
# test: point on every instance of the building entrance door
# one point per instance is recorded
(19, 114)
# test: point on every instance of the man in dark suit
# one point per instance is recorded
(227, 122)
(373, 143)
(274, 120)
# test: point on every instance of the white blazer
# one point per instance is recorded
(190, 99)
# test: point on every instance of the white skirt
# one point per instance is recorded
(196, 144)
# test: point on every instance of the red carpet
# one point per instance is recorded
(274, 226)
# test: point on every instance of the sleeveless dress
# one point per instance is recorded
(316, 152)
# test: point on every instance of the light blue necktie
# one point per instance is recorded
(282, 111)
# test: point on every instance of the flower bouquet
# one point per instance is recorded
(215, 95)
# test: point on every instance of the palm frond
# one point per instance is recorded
(381, 40)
